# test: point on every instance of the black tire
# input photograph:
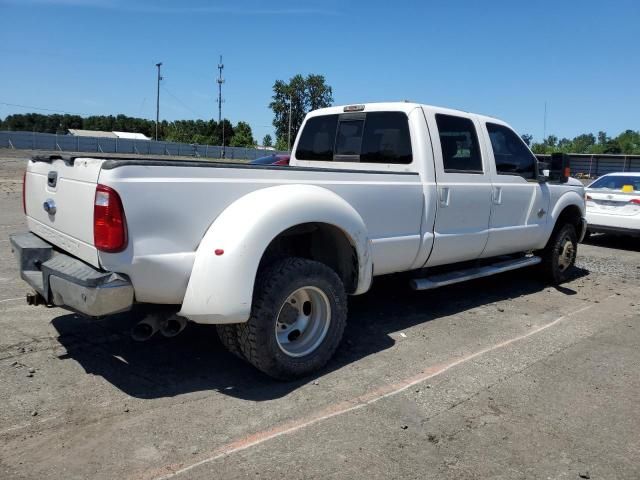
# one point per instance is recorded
(587, 236)
(559, 256)
(274, 287)
(228, 336)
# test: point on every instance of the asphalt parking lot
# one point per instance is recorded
(498, 378)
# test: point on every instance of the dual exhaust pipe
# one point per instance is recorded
(168, 326)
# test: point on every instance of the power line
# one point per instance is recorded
(182, 103)
(42, 109)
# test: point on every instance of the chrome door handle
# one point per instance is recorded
(444, 193)
(497, 195)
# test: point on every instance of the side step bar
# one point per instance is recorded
(472, 273)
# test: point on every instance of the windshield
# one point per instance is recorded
(625, 183)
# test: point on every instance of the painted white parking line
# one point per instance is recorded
(11, 299)
(26, 425)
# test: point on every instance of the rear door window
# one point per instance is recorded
(373, 137)
(511, 154)
(459, 143)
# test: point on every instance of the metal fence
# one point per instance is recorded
(581, 164)
(70, 143)
(595, 165)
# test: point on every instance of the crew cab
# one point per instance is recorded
(269, 254)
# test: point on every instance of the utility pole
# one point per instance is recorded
(158, 99)
(220, 81)
(289, 135)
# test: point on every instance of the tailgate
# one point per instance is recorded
(59, 201)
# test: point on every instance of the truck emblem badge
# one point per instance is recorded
(49, 206)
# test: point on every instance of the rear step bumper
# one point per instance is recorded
(67, 282)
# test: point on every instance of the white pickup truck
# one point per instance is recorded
(270, 253)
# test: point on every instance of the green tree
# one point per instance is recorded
(267, 141)
(242, 136)
(629, 142)
(281, 144)
(294, 99)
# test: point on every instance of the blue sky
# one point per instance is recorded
(501, 58)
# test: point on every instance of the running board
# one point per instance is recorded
(472, 273)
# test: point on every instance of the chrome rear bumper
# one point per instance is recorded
(67, 282)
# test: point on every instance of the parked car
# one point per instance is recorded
(273, 159)
(269, 255)
(613, 204)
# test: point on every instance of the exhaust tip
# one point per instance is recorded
(142, 332)
(173, 326)
(145, 329)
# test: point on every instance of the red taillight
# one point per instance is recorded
(109, 225)
(635, 201)
(24, 193)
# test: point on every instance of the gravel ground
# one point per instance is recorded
(503, 377)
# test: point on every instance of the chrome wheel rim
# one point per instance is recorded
(303, 321)
(567, 254)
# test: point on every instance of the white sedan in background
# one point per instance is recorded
(613, 204)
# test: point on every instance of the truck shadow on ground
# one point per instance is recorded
(196, 361)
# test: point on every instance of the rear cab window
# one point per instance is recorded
(363, 137)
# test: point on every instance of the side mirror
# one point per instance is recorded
(559, 168)
(543, 171)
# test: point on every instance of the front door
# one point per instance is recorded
(463, 191)
(519, 203)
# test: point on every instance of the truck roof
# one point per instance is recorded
(399, 106)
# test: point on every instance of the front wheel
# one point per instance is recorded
(297, 320)
(559, 256)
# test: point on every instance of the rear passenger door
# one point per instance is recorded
(463, 190)
(520, 203)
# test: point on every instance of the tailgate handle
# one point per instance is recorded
(52, 179)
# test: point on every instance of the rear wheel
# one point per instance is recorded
(228, 336)
(297, 320)
(559, 256)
